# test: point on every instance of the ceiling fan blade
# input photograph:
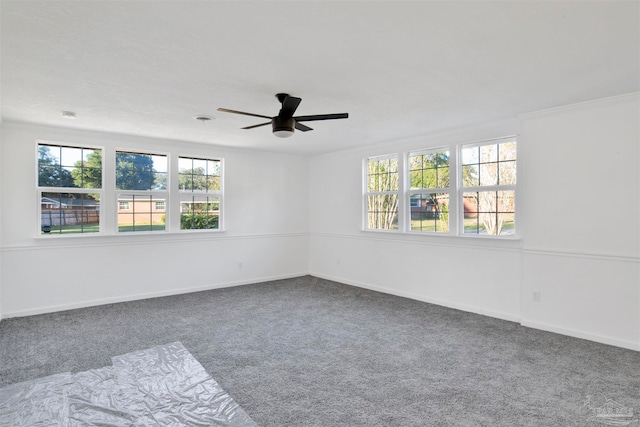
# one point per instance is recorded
(257, 126)
(225, 110)
(289, 106)
(302, 127)
(321, 117)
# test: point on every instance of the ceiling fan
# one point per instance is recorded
(285, 122)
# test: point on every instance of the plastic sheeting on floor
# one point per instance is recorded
(160, 386)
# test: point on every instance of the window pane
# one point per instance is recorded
(489, 212)
(213, 168)
(185, 164)
(470, 155)
(506, 201)
(159, 163)
(488, 174)
(429, 178)
(141, 180)
(507, 151)
(430, 212)
(443, 177)
(383, 211)
(372, 183)
(140, 213)
(415, 178)
(415, 162)
(487, 201)
(199, 166)
(470, 176)
(470, 203)
(199, 174)
(91, 172)
(488, 153)
(213, 183)
(69, 213)
(49, 175)
(430, 170)
(393, 164)
(185, 181)
(199, 180)
(200, 213)
(507, 173)
(139, 171)
(70, 156)
(159, 181)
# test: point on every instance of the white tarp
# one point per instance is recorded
(160, 386)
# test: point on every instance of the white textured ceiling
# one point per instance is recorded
(400, 69)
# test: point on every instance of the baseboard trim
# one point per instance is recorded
(582, 335)
(496, 314)
(410, 295)
(136, 297)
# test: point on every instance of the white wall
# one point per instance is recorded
(581, 211)
(578, 221)
(266, 214)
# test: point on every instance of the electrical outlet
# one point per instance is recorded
(536, 296)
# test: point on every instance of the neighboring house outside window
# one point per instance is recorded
(141, 182)
(200, 188)
(429, 191)
(69, 188)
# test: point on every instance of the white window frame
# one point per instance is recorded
(426, 191)
(398, 193)
(455, 190)
(482, 188)
(71, 190)
(191, 196)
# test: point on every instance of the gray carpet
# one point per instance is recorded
(310, 352)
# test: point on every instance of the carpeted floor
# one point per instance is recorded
(310, 352)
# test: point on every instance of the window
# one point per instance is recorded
(382, 193)
(141, 182)
(200, 187)
(69, 189)
(488, 187)
(429, 191)
(465, 190)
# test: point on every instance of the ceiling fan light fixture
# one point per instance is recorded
(284, 133)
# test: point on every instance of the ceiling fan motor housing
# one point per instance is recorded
(283, 124)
